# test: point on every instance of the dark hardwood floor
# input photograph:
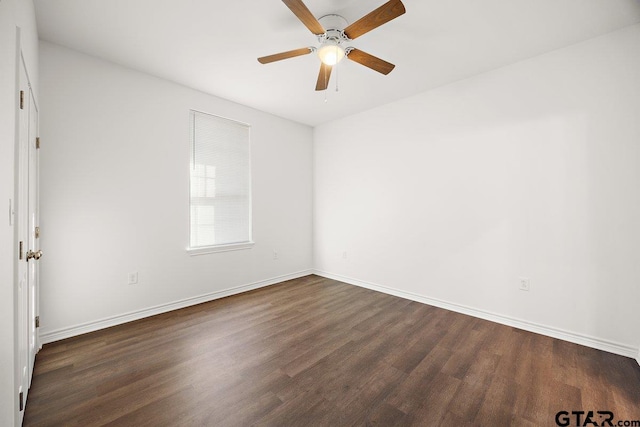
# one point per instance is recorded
(314, 351)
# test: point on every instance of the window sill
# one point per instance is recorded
(219, 248)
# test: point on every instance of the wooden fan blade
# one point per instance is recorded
(385, 13)
(300, 10)
(371, 61)
(284, 55)
(323, 76)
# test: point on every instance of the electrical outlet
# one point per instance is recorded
(524, 283)
(132, 278)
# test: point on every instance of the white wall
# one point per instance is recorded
(15, 16)
(529, 170)
(115, 182)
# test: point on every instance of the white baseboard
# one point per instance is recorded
(588, 341)
(92, 326)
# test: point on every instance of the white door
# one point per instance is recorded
(34, 235)
(22, 237)
(26, 219)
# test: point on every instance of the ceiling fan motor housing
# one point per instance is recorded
(334, 26)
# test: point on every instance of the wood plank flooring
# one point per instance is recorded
(313, 351)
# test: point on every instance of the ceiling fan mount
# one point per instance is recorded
(334, 33)
(334, 26)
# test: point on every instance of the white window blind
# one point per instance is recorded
(220, 196)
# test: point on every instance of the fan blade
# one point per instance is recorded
(284, 55)
(385, 13)
(304, 14)
(371, 61)
(323, 76)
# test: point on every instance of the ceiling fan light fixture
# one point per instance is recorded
(330, 53)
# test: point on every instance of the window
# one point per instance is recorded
(220, 194)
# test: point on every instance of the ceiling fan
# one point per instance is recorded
(334, 34)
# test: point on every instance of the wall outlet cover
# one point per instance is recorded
(132, 278)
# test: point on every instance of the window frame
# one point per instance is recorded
(223, 247)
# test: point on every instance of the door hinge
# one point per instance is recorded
(37, 143)
(22, 100)
(21, 399)
(37, 232)
(21, 251)
(37, 321)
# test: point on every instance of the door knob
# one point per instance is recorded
(35, 255)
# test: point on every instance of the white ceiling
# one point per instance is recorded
(212, 46)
